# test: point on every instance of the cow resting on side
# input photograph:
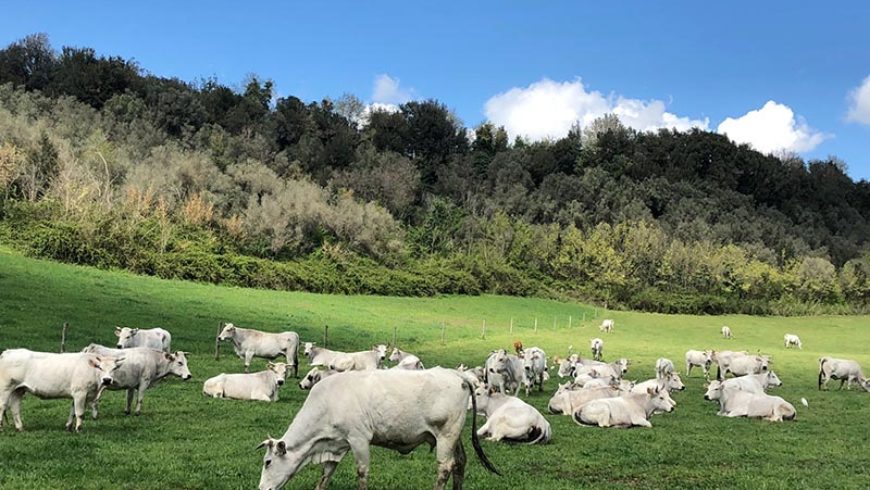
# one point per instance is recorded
(738, 403)
(625, 411)
(394, 408)
(262, 386)
(509, 418)
(249, 343)
(74, 375)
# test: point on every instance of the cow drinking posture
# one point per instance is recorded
(394, 408)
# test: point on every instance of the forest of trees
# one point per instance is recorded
(102, 163)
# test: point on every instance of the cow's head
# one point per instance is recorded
(773, 379)
(178, 364)
(279, 464)
(396, 355)
(714, 390)
(482, 396)
(381, 349)
(126, 336)
(660, 400)
(309, 348)
(675, 382)
(865, 384)
(310, 379)
(280, 370)
(106, 367)
(228, 332)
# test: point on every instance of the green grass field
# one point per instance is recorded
(184, 440)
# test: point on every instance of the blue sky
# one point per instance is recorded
(532, 66)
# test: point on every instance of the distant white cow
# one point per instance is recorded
(846, 370)
(699, 358)
(511, 419)
(405, 360)
(74, 375)
(792, 340)
(314, 376)
(153, 338)
(249, 343)
(664, 368)
(360, 361)
(566, 366)
(726, 333)
(606, 326)
(597, 347)
(738, 403)
(625, 411)
(394, 408)
(262, 386)
(142, 369)
(534, 368)
(504, 371)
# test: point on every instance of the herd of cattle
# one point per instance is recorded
(354, 401)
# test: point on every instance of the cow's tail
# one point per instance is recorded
(296, 359)
(821, 370)
(540, 434)
(475, 441)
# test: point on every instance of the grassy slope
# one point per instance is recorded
(184, 440)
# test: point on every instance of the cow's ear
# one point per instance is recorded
(95, 362)
(134, 331)
(117, 331)
(271, 366)
(280, 448)
(651, 391)
(168, 356)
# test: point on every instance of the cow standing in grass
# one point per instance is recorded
(846, 370)
(607, 326)
(792, 340)
(726, 333)
(596, 345)
(249, 343)
(701, 358)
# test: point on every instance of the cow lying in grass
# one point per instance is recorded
(511, 419)
(633, 409)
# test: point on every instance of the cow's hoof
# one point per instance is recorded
(126, 412)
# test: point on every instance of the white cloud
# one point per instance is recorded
(859, 103)
(772, 128)
(548, 109)
(387, 90)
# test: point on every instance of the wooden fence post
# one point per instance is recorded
(325, 336)
(483, 335)
(569, 321)
(512, 324)
(395, 335)
(536, 324)
(63, 337)
(217, 343)
(443, 327)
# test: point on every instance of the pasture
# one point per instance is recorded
(184, 440)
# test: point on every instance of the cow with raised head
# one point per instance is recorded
(596, 345)
(534, 369)
(153, 338)
(504, 372)
(262, 386)
(568, 398)
(393, 408)
(73, 375)
(249, 343)
(405, 360)
(700, 358)
(753, 383)
(314, 376)
(142, 369)
(629, 410)
(734, 402)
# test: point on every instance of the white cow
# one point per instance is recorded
(624, 411)
(477, 372)
(568, 399)
(262, 386)
(566, 366)
(664, 368)
(314, 376)
(726, 332)
(597, 347)
(847, 371)
(701, 358)
(360, 361)
(743, 364)
(142, 369)
(320, 356)
(394, 408)
(792, 340)
(534, 368)
(738, 403)
(249, 343)
(503, 371)
(153, 338)
(753, 383)
(405, 360)
(598, 369)
(606, 326)
(74, 375)
(511, 419)
(669, 384)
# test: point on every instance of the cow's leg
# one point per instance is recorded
(362, 455)
(15, 408)
(4, 402)
(459, 460)
(842, 380)
(328, 469)
(131, 392)
(140, 396)
(72, 414)
(445, 449)
(248, 357)
(95, 405)
(79, 404)
(289, 355)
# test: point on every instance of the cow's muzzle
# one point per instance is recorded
(280, 382)
(187, 377)
(706, 397)
(107, 381)
(119, 346)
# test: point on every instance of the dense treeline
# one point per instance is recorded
(104, 164)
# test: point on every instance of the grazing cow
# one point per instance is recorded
(669, 384)
(393, 408)
(597, 347)
(607, 326)
(262, 386)
(503, 371)
(153, 338)
(753, 383)
(629, 410)
(738, 403)
(699, 358)
(567, 399)
(664, 368)
(511, 419)
(726, 333)
(405, 360)
(313, 377)
(360, 361)
(249, 343)
(74, 375)
(534, 369)
(845, 370)
(142, 369)
(792, 340)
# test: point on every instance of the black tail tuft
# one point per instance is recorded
(821, 363)
(475, 441)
